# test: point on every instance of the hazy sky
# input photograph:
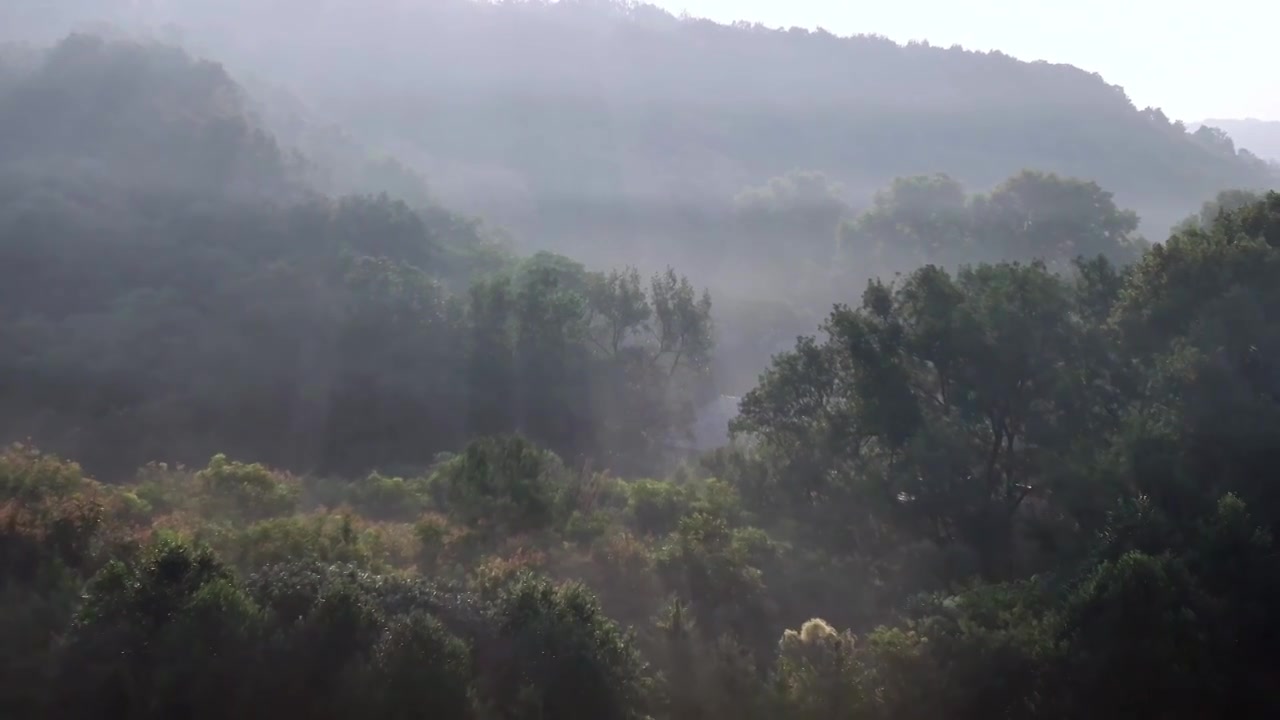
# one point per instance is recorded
(1195, 59)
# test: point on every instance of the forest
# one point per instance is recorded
(361, 402)
(1261, 136)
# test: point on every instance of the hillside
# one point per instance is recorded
(136, 115)
(1261, 137)
(171, 284)
(601, 127)
(282, 436)
(965, 499)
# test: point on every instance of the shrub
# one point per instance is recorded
(555, 655)
(504, 485)
(248, 491)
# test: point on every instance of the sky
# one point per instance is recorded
(1194, 59)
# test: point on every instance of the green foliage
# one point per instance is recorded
(937, 407)
(210, 147)
(1197, 308)
(419, 669)
(175, 633)
(248, 491)
(1004, 479)
(505, 485)
(604, 156)
(656, 507)
(789, 223)
(165, 635)
(704, 678)
(56, 528)
(1030, 216)
(1137, 609)
(28, 476)
(389, 498)
(556, 655)
(816, 672)
(220, 306)
(1011, 487)
(321, 538)
(716, 568)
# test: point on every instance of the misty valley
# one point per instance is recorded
(531, 360)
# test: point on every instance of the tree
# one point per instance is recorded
(1042, 216)
(936, 408)
(504, 484)
(170, 635)
(1031, 216)
(683, 320)
(555, 655)
(923, 219)
(793, 220)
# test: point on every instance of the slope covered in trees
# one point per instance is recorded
(618, 134)
(135, 116)
(1001, 492)
(210, 301)
(351, 456)
(1261, 137)
(581, 123)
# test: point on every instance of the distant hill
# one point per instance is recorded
(159, 249)
(139, 115)
(602, 127)
(1262, 137)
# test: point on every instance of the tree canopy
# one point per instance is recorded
(285, 436)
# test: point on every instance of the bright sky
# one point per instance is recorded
(1195, 59)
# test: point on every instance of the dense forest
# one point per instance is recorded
(290, 431)
(596, 125)
(618, 134)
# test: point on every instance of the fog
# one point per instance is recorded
(620, 134)
(575, 360)
(1262, 137)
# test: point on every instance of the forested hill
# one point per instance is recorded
(346, 456)
(137, 116)
(171, 284)
(1261, 137)
(537, 114)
